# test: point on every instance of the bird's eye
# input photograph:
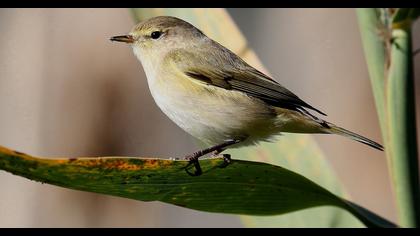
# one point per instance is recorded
(155, 34)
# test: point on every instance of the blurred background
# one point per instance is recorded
(66, 90)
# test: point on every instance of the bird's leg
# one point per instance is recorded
(193, 158)
(219, 148)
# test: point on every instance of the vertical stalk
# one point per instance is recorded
(390, 63)
(402, 126)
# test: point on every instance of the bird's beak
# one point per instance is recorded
(123, 38)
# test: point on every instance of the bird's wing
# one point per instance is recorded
(235, 74)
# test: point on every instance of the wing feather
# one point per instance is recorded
(223, 71)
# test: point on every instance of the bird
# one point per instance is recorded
(214, 95)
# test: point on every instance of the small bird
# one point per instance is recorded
(213, 94)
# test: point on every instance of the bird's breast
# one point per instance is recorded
(209, 113)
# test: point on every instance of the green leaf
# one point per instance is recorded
(375, 54)
(242, 187)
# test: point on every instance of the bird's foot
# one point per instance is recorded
(226, 160)
(193, 160)
(217, 149)
(226, 157)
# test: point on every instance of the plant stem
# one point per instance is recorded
(402, 126)
(389, 60)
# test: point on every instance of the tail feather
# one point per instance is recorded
(333, 129)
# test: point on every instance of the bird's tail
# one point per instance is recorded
(333, 129)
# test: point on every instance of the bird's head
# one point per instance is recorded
(160, 34)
